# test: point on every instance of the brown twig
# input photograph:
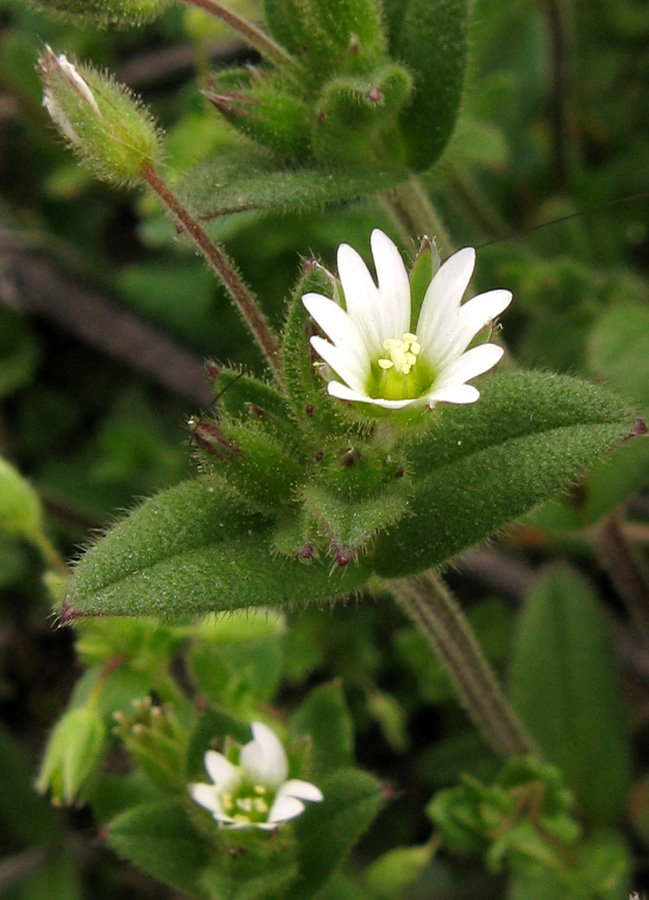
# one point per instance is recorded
(32, 283)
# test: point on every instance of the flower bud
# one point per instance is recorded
(20, 508)
(125, 13)
(74, 752)
(104, 123)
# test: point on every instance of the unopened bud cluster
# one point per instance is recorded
(154, 738)
(104, 123)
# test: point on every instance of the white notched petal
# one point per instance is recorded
(224, 775)
(454, 393)
(362, 297)
(473, 316)
(206, 796)
(442, 299)
(284, 808)
(342, 392)
(334, 321)
(264, 758)
(394, 286)
(346, 365)
(472, 363)
(303, 790)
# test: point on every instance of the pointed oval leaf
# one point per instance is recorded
(479, 468)
(431, 39)
(565, 687)
(250, 182)
(194, 549)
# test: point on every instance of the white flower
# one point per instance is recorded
(254, 793)
(381, 356)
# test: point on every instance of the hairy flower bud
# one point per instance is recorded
(104, 123)
(74, 752)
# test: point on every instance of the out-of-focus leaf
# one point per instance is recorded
(566, 689)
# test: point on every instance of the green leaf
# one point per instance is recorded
(243, 181)
(194, 549)
(159, 838)
(327, 832)
(325, 718)
(566, 689)
(477, 469)
(211, 729)
(619, 350)
(431, 39)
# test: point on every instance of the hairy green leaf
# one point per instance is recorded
(325, 718)
(476, 469)
(327, 832)
(243, 181)
(159, 838)
(431, 39)
(192, 549)
(565, 687)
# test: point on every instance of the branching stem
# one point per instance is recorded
(240, 293)
(428, 602)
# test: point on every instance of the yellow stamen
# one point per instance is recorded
(402, 353)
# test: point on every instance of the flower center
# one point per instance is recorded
(401, 374)
(402, 354)
(250, 803)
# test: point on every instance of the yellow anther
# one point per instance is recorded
(402, 353)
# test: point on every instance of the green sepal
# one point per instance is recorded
(327, 831)
(325, 718)
(478, 468)
(240, 181)
(306, 388)
(431, 40)
(575, 712)
(265, 112)
(259, 466)
(210, 731)
(161, 840)
(337, 37)
(193, 549)
(356, 116)
(421, 275)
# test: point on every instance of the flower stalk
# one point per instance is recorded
(242, 296)
(253, 36)
(430, 605)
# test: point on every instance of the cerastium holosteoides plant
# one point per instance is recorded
(365, 461)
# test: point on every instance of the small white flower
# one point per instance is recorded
(254, 793)
(381, 356)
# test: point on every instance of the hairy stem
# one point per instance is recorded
(253, 36)
(216, 258)
(433, 609)
(417, 214)
(626, 571)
